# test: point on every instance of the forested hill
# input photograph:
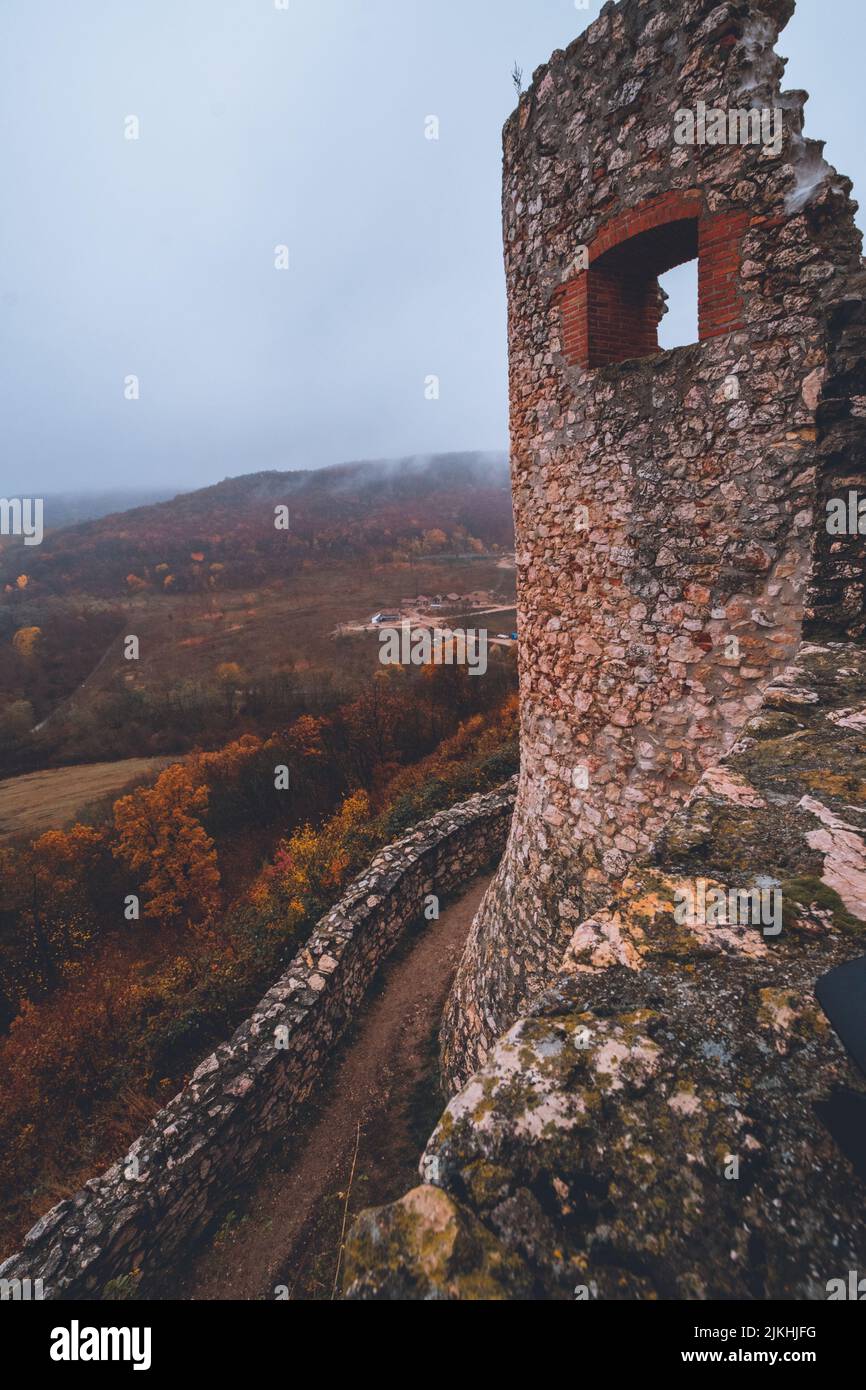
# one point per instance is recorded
(225, 536)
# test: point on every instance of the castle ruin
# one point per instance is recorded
(644, 1106)
(668, 505)
(649, 1105)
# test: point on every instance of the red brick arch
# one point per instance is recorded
(612, 311)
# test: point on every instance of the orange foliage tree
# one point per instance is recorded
(26, 640)
(68, 869)
(160, 833)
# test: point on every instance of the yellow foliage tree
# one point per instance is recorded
(315, 863)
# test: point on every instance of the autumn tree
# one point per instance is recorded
(435, 540)
(68, 873)
(229, 675)
(372, 722)
(16, 721)
(68, 864)
(310, 867)
(161, 836)
(26, 641)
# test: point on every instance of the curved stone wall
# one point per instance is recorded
(146, 1209)
(666, 506)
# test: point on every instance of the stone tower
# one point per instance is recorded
(669, 505)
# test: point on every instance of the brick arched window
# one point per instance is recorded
(612, 309)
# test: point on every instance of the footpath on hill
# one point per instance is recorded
(358, 1141)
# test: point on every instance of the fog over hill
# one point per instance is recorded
(225, 534)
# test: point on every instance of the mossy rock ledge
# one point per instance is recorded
(675, 1118)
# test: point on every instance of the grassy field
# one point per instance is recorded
(283, 628)
(40, 801)
(286, 627)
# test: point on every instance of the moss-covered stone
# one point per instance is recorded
(428, 1247)
(651, 1128)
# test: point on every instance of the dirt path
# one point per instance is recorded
(285, 1231)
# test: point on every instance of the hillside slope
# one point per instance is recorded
(225, 536)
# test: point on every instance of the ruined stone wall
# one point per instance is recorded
(145, 1211)
(665, 504)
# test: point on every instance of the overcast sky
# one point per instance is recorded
(260, 127)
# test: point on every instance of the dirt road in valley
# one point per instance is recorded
(380, 1094)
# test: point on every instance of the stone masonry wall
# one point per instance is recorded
(671, 502)
(239, 1099)
(674, 1117)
